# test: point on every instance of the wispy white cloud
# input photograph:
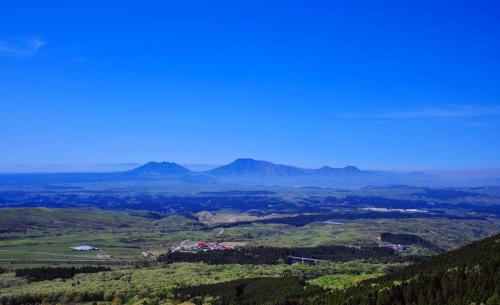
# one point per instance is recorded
(23, 47)
(453, 111)
(479, 124)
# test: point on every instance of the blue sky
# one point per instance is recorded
(378, 84)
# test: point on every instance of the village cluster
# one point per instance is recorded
(184, 246)
(191, 246)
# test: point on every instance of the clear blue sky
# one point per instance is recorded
(378, 84)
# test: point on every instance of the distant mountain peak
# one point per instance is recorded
(161, 169)
(351, 169)
(247, 167)
(248, 160)
(327, 170)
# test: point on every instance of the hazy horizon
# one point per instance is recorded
(452, 174)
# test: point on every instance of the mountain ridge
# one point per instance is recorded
(160, 168)
(244, 171)
(248, 167)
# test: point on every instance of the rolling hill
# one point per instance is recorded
(468, 275)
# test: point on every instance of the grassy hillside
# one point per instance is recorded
(44, 236)
(135, 284)
(40, 236)
(467, 275)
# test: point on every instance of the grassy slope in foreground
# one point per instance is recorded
(470, 274)
(135, 284)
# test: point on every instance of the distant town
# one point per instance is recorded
(191, 246)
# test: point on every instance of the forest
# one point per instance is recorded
(50, 273)
(406, 239)
(463, 276)
(469, 275)
(260, 291)
(274, 255)
(349, 232)
(302, 220)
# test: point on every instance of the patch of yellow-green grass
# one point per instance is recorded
(211, 218)
(146, 282)
(340, 281)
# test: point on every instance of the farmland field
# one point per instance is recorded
(38, 229)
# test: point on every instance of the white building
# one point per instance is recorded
(84, 248)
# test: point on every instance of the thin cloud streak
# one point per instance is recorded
(24, 47)
(479, 124)
(432, 112)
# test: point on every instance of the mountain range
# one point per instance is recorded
(244, 171)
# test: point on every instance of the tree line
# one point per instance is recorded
(51, 273)
(407, 239)
(258, 291)
(275, 255)
(468, 275)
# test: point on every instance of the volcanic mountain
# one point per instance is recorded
(254, 168)
(158, 169)
(241, 171)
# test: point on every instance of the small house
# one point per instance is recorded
(84, 248)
